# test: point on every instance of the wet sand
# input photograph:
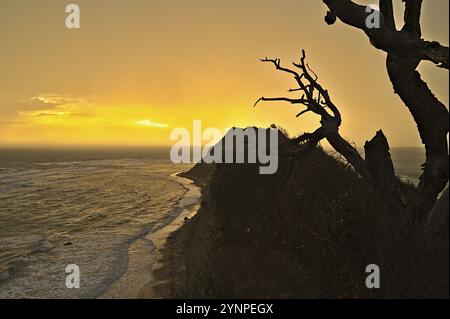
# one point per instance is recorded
(148, 272)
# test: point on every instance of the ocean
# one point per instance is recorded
(408, 163)
(98, 209)
(82, 207)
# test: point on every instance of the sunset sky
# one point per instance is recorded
(138, 68)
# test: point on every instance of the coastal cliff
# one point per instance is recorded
(308, 231)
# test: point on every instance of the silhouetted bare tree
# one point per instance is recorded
(405, 50)
(376, 167)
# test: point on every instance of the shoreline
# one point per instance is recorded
(176, 261)
(145, 275)
(158, 286)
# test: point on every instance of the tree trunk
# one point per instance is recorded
(431, 117)
(381, 170)
(405, 50)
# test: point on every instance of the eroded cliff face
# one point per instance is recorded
(308, 231)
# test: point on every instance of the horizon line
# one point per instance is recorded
(131, 146)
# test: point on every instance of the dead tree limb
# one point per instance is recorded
(377, 167)
(379, 164)
(316, 99)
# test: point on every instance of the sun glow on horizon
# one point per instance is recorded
(59, 120)
(150, 123)
(131, 78)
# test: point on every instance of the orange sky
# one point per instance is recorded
(138, 68)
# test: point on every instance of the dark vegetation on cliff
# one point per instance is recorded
(309, 230)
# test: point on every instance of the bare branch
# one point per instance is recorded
(348, 12)
(284, 99)
(387, 38)
(316, 77)
(412, 17)
(387, 12)
(322, 92)
(436, 53)
(303, 112)
(277, 64)
(311, 138)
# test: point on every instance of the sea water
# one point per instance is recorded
(78, 207)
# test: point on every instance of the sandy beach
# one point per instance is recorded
(148, 271)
